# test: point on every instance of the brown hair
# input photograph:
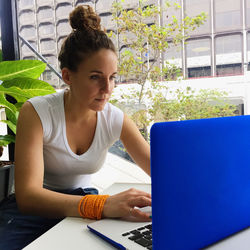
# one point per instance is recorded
(87, 37)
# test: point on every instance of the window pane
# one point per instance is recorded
(248, 50)
(198, 57)
(228, 54)
(227, 15)
(195, 7)
(247, 13)
(173, 56)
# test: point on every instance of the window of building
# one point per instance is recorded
(228, 15)
(198, 53)
(194, 8)
(228, 51)
(173, 57)
(247, 13)
(248, 50)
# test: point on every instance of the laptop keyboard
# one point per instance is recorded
(141, 236)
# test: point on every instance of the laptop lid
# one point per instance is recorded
(200, 181)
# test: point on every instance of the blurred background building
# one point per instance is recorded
(220, 47)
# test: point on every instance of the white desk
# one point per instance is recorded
(72, 234)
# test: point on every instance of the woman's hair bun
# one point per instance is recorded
(83, 17)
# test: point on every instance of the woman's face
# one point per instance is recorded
(93, 83)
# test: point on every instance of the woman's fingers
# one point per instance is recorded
(137, 213)
(140, 201)
(135, 192)
(124, 203)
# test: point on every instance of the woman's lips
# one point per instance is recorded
(101, 99)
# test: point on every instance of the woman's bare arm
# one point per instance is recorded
(135, 144)
(32, 198)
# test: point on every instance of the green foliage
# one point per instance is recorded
(141, 40)
(187, 105)
(1, 55)
(21, 68)
(19, 81)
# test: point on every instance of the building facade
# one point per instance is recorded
(217, 54)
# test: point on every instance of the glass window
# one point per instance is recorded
(228, 15)
(247, 13)
(195, 7)
(173, 55)
(228, 51)
(248, 50)
(198, 53)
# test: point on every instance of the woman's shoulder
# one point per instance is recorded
(50, 100)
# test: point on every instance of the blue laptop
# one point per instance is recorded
(200, 187)
(200, 181)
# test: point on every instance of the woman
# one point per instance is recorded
(63, 138)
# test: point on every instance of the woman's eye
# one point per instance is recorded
(94, 77)
(113, 78)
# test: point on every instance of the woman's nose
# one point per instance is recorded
(106, 85)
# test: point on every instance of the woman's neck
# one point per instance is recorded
(74, 111)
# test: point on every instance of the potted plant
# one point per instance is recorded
(18, 80)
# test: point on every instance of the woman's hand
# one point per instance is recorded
(123, 205)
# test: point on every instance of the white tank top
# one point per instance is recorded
(63, 169)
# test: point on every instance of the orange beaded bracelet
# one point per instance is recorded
(91, 206)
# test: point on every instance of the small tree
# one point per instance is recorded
(142, 33)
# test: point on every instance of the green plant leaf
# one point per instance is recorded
(11, 116)
(11, 125)
(21, 68)
(6, 104)
(6, 139)
(24, 88)
(1, 56)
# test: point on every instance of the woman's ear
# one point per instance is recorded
(66, 76)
